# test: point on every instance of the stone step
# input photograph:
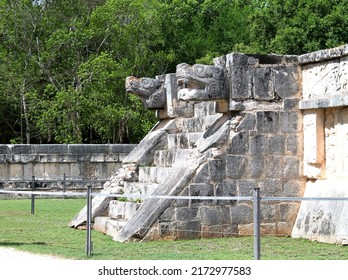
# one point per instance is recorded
(151, 174)
(167, 158)
(114, 226)
(183, 140)
(107, 225)
(100, 224)
(139, 188)
(122, 210)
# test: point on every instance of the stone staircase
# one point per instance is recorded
(165, 162)
(193, 151)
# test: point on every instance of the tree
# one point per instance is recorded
(63, 63)
(299, 26)
(85, 61)
(19, 32)
(201, 30)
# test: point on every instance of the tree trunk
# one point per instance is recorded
(25, 113)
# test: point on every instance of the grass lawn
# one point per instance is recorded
(47, 232)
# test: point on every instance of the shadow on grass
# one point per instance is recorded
(18, 244)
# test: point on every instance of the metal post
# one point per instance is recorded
(64, 184)
(33, 196)
(257, 243)
(89, 219)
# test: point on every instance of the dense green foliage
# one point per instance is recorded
(63, 63)
(47, 232)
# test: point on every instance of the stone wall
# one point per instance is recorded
(324, 102)
(324, 106)
(265, 150)
(21, 162)
(274, 122)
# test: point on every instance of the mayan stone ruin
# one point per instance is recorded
(277, 122)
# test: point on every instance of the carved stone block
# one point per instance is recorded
(286, 83)
(226, 188)
(189, 229)
(235, 166)
(151, 91)
(263, 86)
(267, 121)
(256, 167)
(210, 216)
(321, 79)
(242, 214)
(200, 82)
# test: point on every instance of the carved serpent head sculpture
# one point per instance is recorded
(151, 91)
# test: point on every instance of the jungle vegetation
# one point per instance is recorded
(63, 63)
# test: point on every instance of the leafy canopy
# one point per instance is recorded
(63, 63)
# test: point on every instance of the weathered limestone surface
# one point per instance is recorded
(314, 145)
(324, 104)
(336, 131)
(324, 75)
(322, 55)
(324, 221)
(324, 79)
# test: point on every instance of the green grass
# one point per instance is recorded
(47, 232)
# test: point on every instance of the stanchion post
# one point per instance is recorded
(257, 234)
(32, 196)
(64, 184)
(89, 220)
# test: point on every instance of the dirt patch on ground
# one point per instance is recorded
(7, 254)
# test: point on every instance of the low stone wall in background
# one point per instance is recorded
(45, 162)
